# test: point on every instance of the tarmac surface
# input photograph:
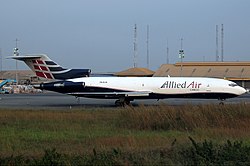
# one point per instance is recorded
(56, 100)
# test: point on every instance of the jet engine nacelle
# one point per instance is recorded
(61, 86)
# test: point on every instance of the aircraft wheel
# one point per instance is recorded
(127, 102)
(78, 100)
(122, 103)
(221, 103)
(119, 103)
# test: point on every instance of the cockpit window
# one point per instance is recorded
(233, 84)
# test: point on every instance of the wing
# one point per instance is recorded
(111, 94)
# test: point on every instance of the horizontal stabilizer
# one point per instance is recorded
(26, 57)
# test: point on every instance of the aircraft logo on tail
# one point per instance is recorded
(40, 70)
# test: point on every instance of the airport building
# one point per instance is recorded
(238, 72)
(135, 72)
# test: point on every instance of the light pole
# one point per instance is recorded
(16, 53)
(181, 56)
(1, 63)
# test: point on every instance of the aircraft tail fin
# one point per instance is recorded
(44, 67)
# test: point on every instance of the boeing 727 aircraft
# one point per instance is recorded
(77, 82)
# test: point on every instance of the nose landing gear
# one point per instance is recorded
(77, 99)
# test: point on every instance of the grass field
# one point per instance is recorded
(138, 131)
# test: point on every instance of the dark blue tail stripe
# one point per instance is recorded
(73, 73)
(50, 63)
(56, 69)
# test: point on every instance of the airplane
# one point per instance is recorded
(79, 83)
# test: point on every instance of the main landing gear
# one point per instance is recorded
(122, 102)
(221, 101)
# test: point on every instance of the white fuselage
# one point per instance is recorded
(163, 85)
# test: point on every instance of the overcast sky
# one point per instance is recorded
(98, 34)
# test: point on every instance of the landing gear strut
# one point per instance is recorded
(221, 101)
(122, 102)
(78, 100)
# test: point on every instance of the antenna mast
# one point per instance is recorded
(148, 46)
(1, 62)
(222, 46)
(217, 45)
(135, 46)
(167, 53)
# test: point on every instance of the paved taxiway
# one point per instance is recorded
(56, 100)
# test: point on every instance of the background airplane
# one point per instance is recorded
(77, 82)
